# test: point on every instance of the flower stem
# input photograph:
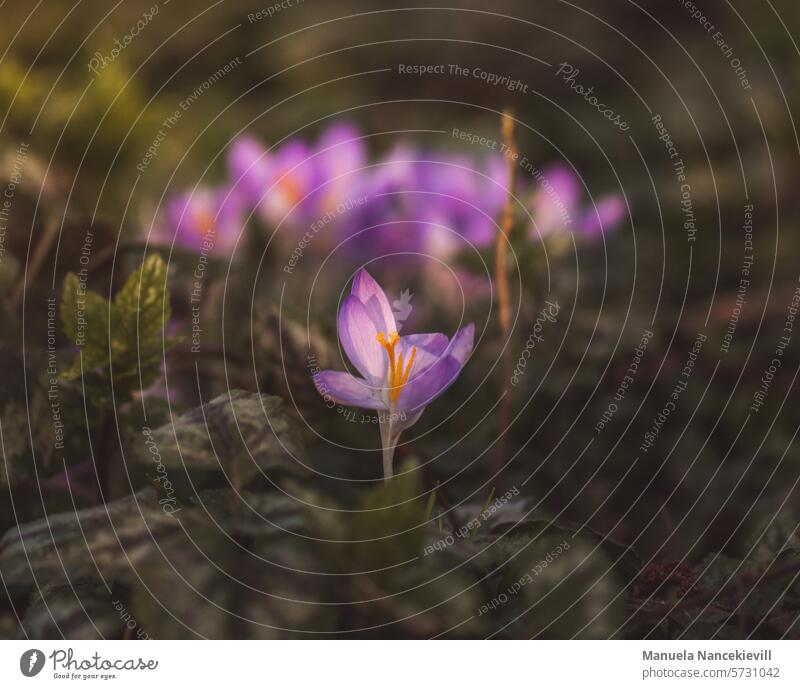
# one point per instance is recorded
(389, 441)
(388, 459)
(506, 224)
(503, 298)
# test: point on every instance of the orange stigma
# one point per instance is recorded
(398, 373)
(291, 189)
(205, 223)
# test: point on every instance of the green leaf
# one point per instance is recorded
(134, 321)
(141, 308)
(84, 318)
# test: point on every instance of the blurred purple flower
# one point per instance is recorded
(292, 179)
(298, 183)
(554, 202)
(400, 375)
(607, 212)
(464, 198)
(434, 204)
(250, 169)
(410, 201)
(556, 205)
(206, 219)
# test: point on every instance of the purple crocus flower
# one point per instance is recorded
(293, 179)
(462, 202)
(275, 183)
(297, 182)
(606, 213)
(250, 168)
(340, 173)
(555, 201)
(400, 376)
(206, 219)
(556, 205)
(432, 203)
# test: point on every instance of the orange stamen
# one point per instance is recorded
(398, 372)
(290, 186)
(205, 223)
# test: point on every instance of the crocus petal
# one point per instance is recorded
(495, 190)
(462, 343)
(250, 168)
(341, 149)
(440, 241)
(555, 201)
(430, 348)
(346, 389)
(607, 212)
(397, 170)
(428, 385)
(357, 333)
(292, 180)
(564, 183)
(370, 294)
(206, 219)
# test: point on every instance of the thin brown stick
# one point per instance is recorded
(43, 247)
(503, 293)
